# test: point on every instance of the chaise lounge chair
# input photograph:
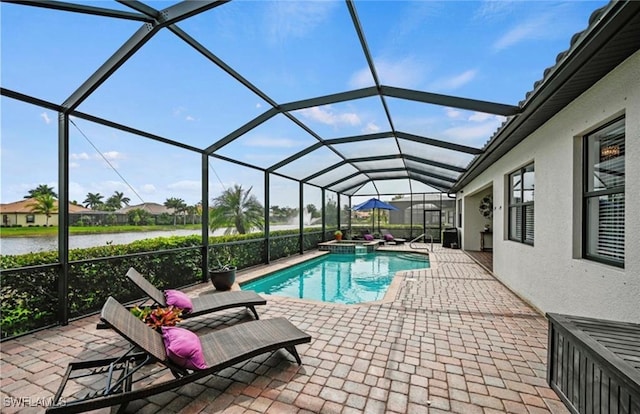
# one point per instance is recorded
(123, 377)
(388, 238)
(203, 304)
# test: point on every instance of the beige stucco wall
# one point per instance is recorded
(21, 219)
(551, 275)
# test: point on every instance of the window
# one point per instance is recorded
(31, 218)
(603, 196)
(521, 195)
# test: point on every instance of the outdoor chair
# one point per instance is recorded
(198, 305)
(388, 238)
(186, 355)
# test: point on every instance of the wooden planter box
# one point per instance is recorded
(594, 365)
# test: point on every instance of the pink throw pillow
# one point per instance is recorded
(368, 237)
(179, 300)
(388, 237)
(183, 347)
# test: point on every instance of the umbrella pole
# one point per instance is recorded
(373, 220)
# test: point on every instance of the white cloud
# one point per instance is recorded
(181, 111)
(453, 113)
(295, 19)
(326, 115)
(79, 156)
(494, 9)
(263, 158)
(269, 142)
(371, 128)
(185, 185)
(112, 155)
(532, 29)
(455, 81)
(74, 165)
(77, 192)
(480, 117)
(258, 105)
(148, 189)
(45, 118)
(480, 130)
(403, 73)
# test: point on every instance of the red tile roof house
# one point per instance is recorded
(20, 213)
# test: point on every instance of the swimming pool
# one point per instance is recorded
(339, 278)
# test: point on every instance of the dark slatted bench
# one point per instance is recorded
(594, 364)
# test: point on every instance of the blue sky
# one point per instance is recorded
(291, 50)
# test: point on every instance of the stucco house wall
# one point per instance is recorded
(551, 275)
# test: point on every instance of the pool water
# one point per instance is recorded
(339, 278)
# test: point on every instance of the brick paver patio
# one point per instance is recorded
(450, 339)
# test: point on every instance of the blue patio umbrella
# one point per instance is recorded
(372, 204)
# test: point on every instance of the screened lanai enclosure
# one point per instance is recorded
(308, 108)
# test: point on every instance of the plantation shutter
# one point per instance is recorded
(605, 194)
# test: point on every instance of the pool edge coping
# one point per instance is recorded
(248, 275)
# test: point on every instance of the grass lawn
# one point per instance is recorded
(52, 231)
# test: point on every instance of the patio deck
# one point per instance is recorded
(453, 339)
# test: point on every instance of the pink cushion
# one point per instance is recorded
(368, 237)
(183, 347)
(388, 237)
(179, 300)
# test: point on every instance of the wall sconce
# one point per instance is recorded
(609, 152)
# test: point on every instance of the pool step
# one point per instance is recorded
(361, 250)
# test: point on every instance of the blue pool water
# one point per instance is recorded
(339, 278)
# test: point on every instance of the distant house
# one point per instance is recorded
(153, 208)
(20, 213)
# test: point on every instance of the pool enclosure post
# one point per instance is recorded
(338, 212)
(350, 204)
(301, 215)
(267, 244)
(205, 217)
(63, 217)
(324, 215)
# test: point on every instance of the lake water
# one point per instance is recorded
(23, 245)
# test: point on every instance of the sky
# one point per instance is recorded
(290, 50)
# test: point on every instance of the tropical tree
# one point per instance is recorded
(177, 204)
(331, 211)
(116, 201)
(44, 204)
(40, 190)
(237, 210)
(193, 211)
(93, 201)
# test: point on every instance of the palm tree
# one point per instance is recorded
(117, 200)
(177, 204)
(41, 189)
(236, 210)
(93, 200)
(44, 204)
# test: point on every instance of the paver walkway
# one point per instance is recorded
(451, 339)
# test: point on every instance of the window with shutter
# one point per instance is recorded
(521, 197)
(604, 198)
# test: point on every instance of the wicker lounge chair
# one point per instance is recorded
(205, 303)
(124, 379)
